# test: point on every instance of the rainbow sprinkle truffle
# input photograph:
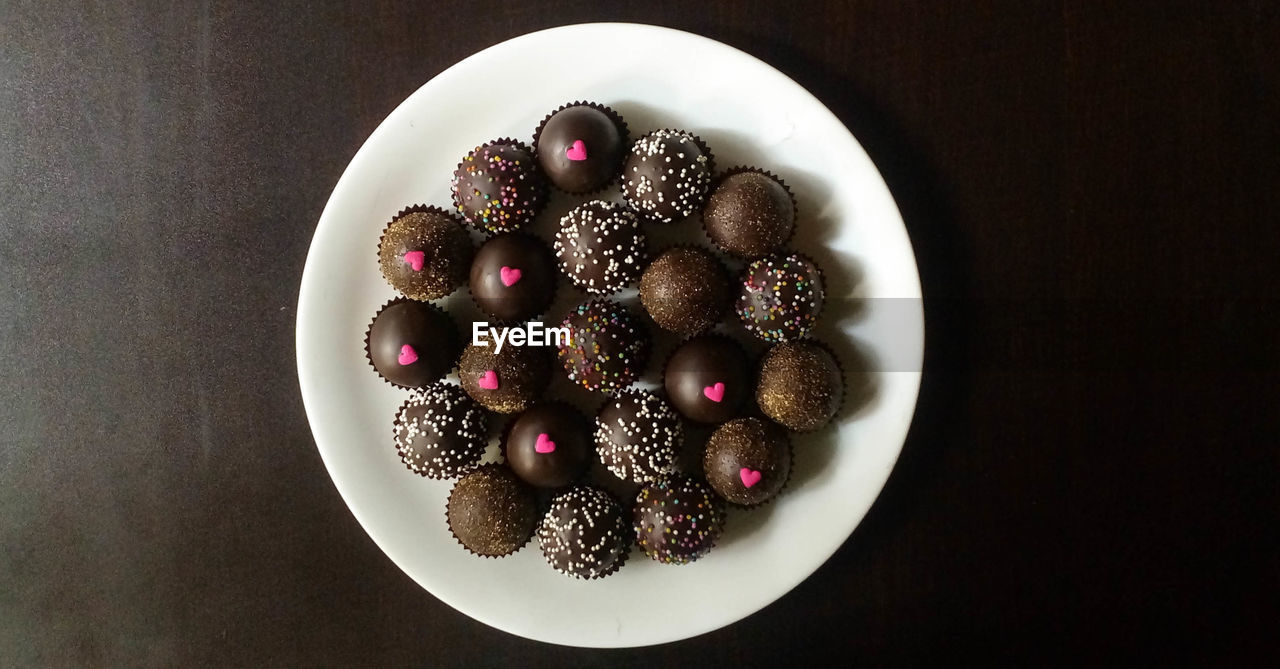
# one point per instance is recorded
(781, 297)
(638, 436)
(584, 534)
(497, 187)
(600, 247)
(440, 433)
(666, 175)
(608, 347)
(678, 519)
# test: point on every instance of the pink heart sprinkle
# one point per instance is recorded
(415, 259)
(750, 477)
(714, 393)
(576, 152)
(408, 356)
(544, 443)
(510, 275)
(489, 380)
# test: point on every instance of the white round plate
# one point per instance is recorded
(748, 113)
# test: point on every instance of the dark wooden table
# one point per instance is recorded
(1092, 471)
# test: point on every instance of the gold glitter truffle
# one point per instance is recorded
(425, 253)
(506, 382)
(801, 386)
(491, 512)
(685, 290)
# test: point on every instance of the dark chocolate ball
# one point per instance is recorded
(504, 382)
(497, 187)
(801, 385)
(747, 460)
(440, 433)
(638, 436)
(677, 519)
(666, 175)
(513, 277)
(580, 148)
(412, 343)
(600, 247)
(685, 290)
(708, 379)
(584, 534)
(608, 347)
(491, 512)
(781, 297)
(749, 214)
(549, 445)
(424, 253)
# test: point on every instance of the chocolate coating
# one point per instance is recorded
(584, 534)
(694, 369)
(491, 512)
(530, 270)
(608, 347)
(747, 461)
(677, 519)
(497, 187)
(666, 175)
(440, 433)
(638, 436)
(555, 426)
(749, 214)
(600, 247)
(436, 244)
(685, 290)
(580, 168)
(504, 382)
(412, 343)
(781, 297)
(801, 386)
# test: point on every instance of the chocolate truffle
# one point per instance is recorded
(781, 297)
(608, 348)
(441, 433)
(685, 290)
(424, 253)
(497, 187)
(584, 534)
(677, 519)
(638, 436)
(513, 277)
(491, 512)
(600, 247)
(549, 445)
(749, 213)
(580, 147)
(666, 174)
(747, 460)
(708, 379)
(504, 382)
(801, 385)
(411, 344)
